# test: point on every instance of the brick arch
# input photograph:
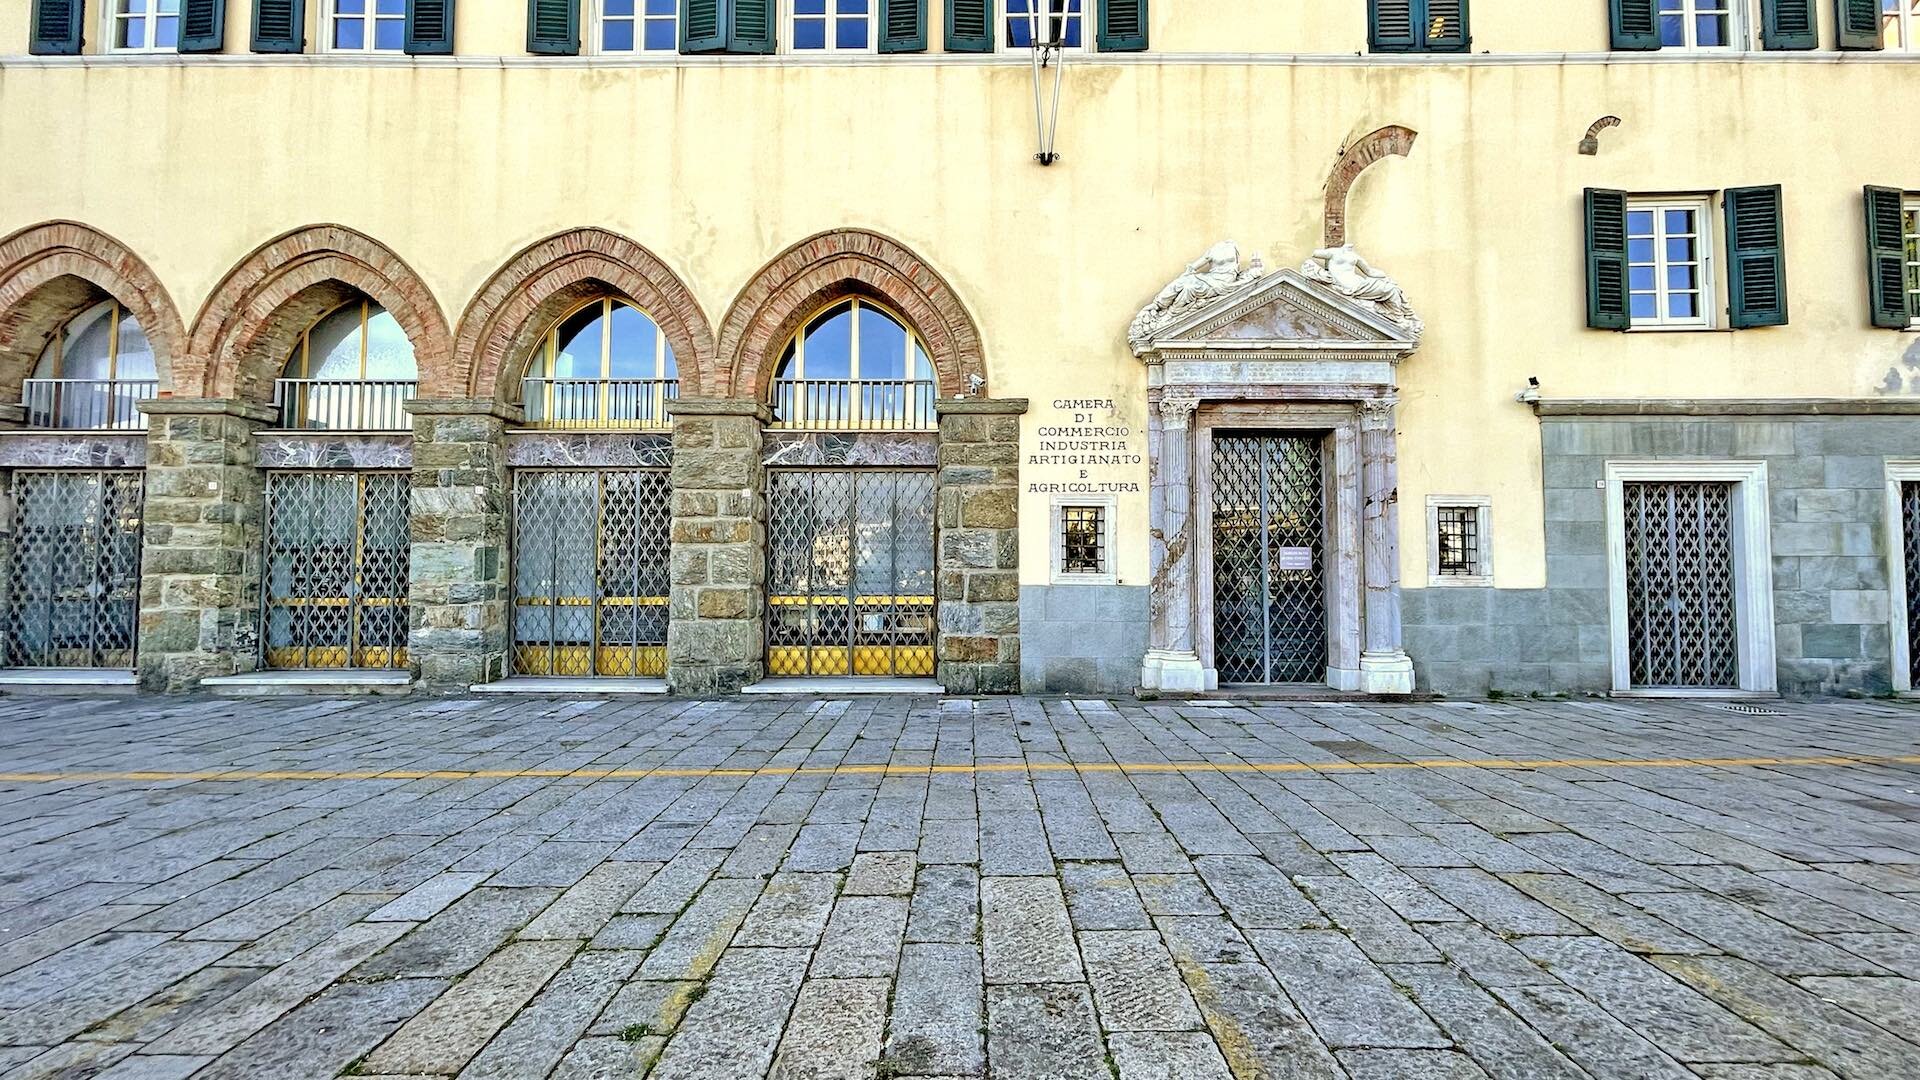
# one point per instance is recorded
(250, 323)
(523, 298)
(824, 268)
(52, 271)
(1390, 141)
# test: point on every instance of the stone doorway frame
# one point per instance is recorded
(1340, 471)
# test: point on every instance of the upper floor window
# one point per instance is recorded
(855, 365)
(1900, 24)
(92, 372)
(1650, 260)
(1698, 24)
(1417, 25)
(1064, 20)
(605, 363)
(646, 26)
(146, 25)
(1667, 264)
(832, 25)
(1910, 239)
(366, 25)
(352, 370)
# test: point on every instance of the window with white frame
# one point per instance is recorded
(1900, 24)
(1669, 281)
(1700, 24)
(638, 26)
(145, 26)
(1022, 16)
(1459, 540)
(1910, 240)
(832, 25)
(1083, 541)
(366, 25)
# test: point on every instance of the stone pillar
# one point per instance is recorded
(1384, 665)
(458, 592)
(716, 633)
(201, 550)
(978, 563)
(1172, 663)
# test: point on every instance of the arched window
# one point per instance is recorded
(605, 363)
(92, 372)
(855, 365)
(352, 370)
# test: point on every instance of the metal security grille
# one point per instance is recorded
(336, 573)
(1681, 626)
(1269, 545)
(74, 578)
(590, 572)
(1459, 539)
(850, 572)
(1910, 513)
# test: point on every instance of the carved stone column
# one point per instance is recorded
(1384, 665)
(458, 588)
(1172, 663)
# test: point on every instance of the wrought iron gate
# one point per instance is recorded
(590, 572)
(850, 572)
(1910, 514)
(1269, 547)
(73, 594)
(336, 572)
(1681, 625)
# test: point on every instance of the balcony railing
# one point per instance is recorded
(598, 403)
(344, 404)
(854, 404)
(87, 404)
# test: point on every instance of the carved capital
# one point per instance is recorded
(1376, 414)
(1176, 411)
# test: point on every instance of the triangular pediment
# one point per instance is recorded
(1283, 311)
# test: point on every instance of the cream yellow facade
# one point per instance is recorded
(1226, 127)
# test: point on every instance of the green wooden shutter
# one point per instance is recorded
(969, 25)
(1788, 24)
(429, 27)
(1636, 25)
(1757, 256)
(1886, 260)
(1123, 25)
(1390, 26)
(750, 30)
(1607, 260)
(279, 26)
(1443, 26)
(703, 26)
(553, 27)
(56, 28)
(903, 26)
(1859, 22)
(203, 25)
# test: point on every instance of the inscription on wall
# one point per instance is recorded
(1082, 448)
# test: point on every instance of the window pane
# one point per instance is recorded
(1681, 277)
(166, 32)
(660, 35)
(1679, 221)
(883, 346)
(135, 360)
(1680, 249)
(852, 7)
(1644, 306)
(1673, 30)
(349, 34)
(810, 33)
(616, 35)
(133, 7)
(662, 7)
(809, 7)
(1640, 278)
(1640, 250)
(851, 34)
(830, 344)
(616, 7)
(1640, 222)
(1681, 306)
(350, 7)
(632, 348)
(1710, 30)
(388, 33)
(133, 34)
(89, 339)
(390, 7)
(389, 353)
(668, 368)
(578, 356)
(167, 7)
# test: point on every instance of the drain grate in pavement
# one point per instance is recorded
(1750, 710)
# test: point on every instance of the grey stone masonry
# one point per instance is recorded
(979, 557)
(200, 563)
(458, 589)
(716, 639)
(1082, 639)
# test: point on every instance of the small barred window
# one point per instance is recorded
(1459, 540)
(1083, 539)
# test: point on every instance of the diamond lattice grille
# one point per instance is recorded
(1681, 623)
(590, 572)
(1910, 513)
(74, 581)
(850, 572)
(1269, 547)
(336, 569)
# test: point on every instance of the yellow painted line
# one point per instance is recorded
(1029, 768)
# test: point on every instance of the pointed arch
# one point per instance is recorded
(546, 278)
(835, 264)
(251, 321)
(52, 271)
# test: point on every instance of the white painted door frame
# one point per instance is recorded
(1899, 471)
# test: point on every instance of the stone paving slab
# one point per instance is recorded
(1014, 889)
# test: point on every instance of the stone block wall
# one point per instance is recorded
(1826, 477)
(200, 566)
(458, 592)
(978, 587)
(1082, 639)
(716, 636)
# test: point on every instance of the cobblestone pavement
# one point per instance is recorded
(1019, 889)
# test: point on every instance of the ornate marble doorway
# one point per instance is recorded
(1243, 364)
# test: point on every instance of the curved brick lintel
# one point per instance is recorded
(830, 266)
(1390, 141)
(517, 304)
(250, 323)
(52, 271)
